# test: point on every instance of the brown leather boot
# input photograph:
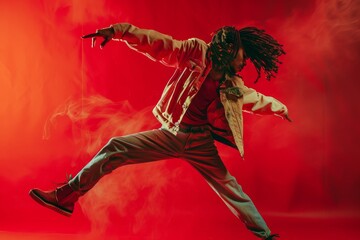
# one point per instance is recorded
(61, 200)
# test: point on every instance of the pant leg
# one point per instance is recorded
(141, 147)
(202, 154)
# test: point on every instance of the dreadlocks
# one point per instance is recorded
(224, 47)
(262, 49)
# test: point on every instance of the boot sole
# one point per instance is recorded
(50, 205)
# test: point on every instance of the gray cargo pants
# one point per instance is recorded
(194, 145)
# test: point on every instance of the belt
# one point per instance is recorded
(194, 129)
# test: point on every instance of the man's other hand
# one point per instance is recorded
(106, 33)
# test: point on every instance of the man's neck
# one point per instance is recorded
(216, 75)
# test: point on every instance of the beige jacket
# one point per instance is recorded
(188, 57)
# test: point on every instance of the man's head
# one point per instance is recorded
(224, 47)
(230, 48)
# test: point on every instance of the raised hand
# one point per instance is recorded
(106, 33)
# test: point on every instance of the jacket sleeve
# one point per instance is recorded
(157, 46)
(258, 103)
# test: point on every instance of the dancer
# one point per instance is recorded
(202, 102)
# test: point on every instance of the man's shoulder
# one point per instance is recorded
(197, 42)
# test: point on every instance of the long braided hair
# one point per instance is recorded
(261, 48)
(224, 47)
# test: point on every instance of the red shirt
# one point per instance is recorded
(197, 111)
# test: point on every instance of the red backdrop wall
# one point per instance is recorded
(61, 100)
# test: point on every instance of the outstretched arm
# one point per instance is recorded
(155, 45)
(258, 103)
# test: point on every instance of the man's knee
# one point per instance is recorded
(113, 162)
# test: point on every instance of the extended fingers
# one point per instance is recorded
(288, 118)
(105, 33)
(106, 40)
(93, 41)
(91, 35)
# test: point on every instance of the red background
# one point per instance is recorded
(61, 100)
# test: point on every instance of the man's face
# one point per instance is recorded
(240, 61)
